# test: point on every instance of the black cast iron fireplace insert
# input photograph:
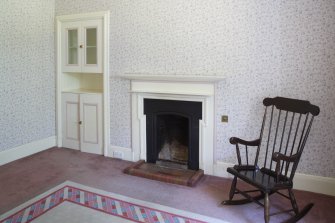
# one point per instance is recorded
(172, 129)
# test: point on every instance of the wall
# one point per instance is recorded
(27, 82)
(264, 48)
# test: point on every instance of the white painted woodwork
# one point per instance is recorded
(174, 90)
(81, 49)
(91, 127)
(70, 105)
(25, 150)
(66, 28)
(82, 77)
(174, 78)
(82, 82)
(164, 87)
(84, 108)
(95, 67)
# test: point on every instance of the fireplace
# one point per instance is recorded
(172, 132)
(190, 89)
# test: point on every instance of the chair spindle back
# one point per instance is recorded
(285, 128)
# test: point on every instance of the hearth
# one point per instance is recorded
(172, 132)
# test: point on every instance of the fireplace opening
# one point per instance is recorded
(172, 129)
(173, 139)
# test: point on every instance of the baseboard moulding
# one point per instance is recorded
(124, 152)
(28, 149)
(317, 184)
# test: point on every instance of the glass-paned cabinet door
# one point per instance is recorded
(82, 46)
(92, 58)
(71, 47)
(91, 46)
(72, 38)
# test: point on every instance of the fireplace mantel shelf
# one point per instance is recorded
(174, 77)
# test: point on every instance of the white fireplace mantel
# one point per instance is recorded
(168, 88)
(173, 77)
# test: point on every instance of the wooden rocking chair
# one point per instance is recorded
(275, 155)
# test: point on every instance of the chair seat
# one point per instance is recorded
(263, 179)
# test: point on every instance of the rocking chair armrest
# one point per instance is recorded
(277, 157)
(281, 157)
(235, 140)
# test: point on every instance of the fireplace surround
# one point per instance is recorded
(190, 89)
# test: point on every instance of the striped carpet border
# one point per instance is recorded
(106, 204)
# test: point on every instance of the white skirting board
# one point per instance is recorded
(120, 153)
(28, 149)
(317, 184)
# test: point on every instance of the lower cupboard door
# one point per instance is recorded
(91, 123)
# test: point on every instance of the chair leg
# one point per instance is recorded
(298, 214)
(293, 201)
(246, 200)
(231, 193)
(232, 188)
(266, 208)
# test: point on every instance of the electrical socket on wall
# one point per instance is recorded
(118, 154)
(224, 118)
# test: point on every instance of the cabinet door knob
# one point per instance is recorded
(80, 122)
(81, 46)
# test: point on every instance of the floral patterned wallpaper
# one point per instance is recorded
(27, 81)
(264, 48)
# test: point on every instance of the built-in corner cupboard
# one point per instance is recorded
(82, 82)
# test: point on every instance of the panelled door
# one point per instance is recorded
(70, 107)
(82, 122)
(91, 126)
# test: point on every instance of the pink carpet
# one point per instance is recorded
(26, 178)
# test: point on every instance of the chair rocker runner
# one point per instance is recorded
(272, 160)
